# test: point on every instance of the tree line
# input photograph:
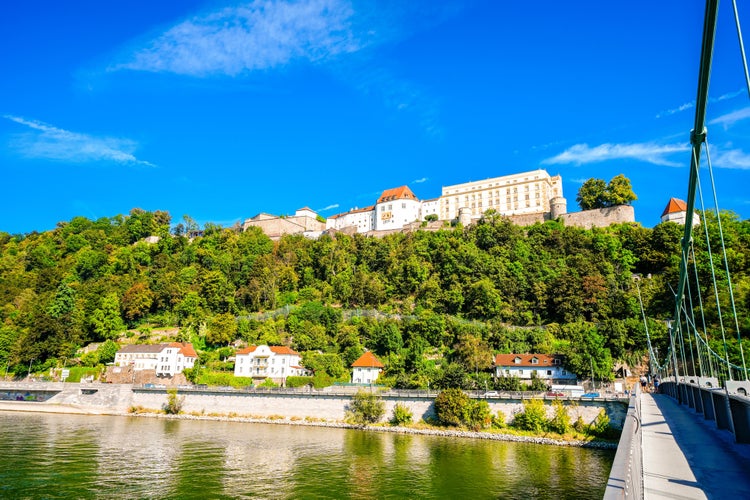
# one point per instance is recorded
(434, 306)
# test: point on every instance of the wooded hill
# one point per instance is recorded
(434, 306)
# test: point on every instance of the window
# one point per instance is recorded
(549, 373)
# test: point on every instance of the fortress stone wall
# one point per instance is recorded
(600, 217)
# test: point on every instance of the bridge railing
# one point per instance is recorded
(626, 477)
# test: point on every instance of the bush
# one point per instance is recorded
(498, 421)
(450, 405)
(560, 421)
(294, 381)
(174, 403)
(533, 417)
(601, 427)
(268, 384)
(366, 408)
(537, 384)
(477, 414)
(511, 383)
(402, 415)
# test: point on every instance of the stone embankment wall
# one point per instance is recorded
(328, 405)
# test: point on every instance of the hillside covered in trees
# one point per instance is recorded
(434, 306)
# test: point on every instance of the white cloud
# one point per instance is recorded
(683, 107)
(52, 143)
(647, 152)
(329, 207)
(260, 35)
(420, 181)
(730, 119)
(732, 159)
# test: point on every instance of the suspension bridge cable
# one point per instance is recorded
(744, 59)
(726, 262)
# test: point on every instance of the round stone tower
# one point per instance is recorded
(464, 216)
(557, 206)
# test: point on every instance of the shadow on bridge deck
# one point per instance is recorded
(684, 456)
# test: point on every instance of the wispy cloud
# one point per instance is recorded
(679, 109)
(735, 159)
(420, 181)
(656, 154)
(691, 105)
(730, 119)
(52, 143)
(260, 35)
(329, 207)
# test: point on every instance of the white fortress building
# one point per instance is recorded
(526, 193)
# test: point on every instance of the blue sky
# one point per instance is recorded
(220, 110)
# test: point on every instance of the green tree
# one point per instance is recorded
(106, 319)
(592, 194)
(222, 329)
(619, 191)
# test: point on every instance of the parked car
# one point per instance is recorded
(491, 394)
(555, 394)
(591, 395)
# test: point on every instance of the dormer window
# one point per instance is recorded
(534, 361)
(556, 361)
(517, 360)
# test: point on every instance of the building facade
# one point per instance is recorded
(274, 362)
(527, 193)
(164, 359)
(516, 194)
(366, 369)
(526, 366)
(304, 221)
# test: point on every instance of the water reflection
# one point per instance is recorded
(73, 456)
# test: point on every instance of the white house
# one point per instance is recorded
(545, 367)
(274, 362)
(165, 359)
(366, 369)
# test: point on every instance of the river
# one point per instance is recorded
(82, 456)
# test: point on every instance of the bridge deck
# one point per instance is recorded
(685, 457)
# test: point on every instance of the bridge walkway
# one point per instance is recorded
(685, 456)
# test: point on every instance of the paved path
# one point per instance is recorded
(685, 456)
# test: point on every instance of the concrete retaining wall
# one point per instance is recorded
(317, 405)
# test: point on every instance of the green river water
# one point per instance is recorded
(79, 456)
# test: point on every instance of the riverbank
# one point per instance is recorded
(37, 407)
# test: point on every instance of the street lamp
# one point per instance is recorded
(28, 374)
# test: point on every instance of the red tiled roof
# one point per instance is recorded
(525, 360)
(675, 205)
(399, 193)
(276, 349)
(188, 351)
(280, 349)
(368, 360)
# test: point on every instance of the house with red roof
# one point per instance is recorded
(366, 369)
(165, 359)
(676, 211)
(524, 366)
(274, 362)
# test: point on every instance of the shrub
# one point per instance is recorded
(498, 421)
(580, 425)
(402, 415)
(268, 384)
(537, 384)
(477, 414)
(601, 427)
(560, 421)
(366, 408)
(533, 417)
(510, 383)
(450, 405)
(174, 403)
(295, 381)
